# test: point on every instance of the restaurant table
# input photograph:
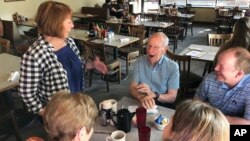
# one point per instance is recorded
(83, 16)
(8, 63)
(29, 22)
(114, 42)
(156, 24)
(101, 132)
(208, 52)
(148, 24)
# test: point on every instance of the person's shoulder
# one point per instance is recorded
(38, 50)
(168, 61)
(247, 78)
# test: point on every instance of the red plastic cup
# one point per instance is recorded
(144, 133)
(141, 116)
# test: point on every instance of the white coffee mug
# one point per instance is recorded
(117, 135)
(107, 104)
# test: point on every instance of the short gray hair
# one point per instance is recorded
(163, 36)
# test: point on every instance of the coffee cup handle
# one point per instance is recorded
(100, 106)
(108, 138)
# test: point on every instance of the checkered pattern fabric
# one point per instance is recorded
(42, 75)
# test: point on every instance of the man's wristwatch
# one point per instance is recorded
(156, 96)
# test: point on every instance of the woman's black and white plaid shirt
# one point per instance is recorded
(42, 75)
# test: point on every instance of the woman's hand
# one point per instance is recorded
(100, 66)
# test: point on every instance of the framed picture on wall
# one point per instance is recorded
(12, 0)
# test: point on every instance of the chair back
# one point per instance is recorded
(138, 31)
(218, 39)
(114, 27)
(5, 46)
(11, 33)
(113, 65)
(95, 49)
(188, 80)
(184, 63)
(225, 23)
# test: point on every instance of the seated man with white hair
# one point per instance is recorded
(156, 77)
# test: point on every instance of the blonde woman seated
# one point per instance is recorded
(70, 117)
(196, 121)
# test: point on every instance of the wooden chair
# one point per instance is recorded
(218, 39)
(132, 52)
(114, 66)
(188, 24)
(5, 46)
(9, 122)
(215, 40)
(225, 24)
(175, 31)
(11, 33)
(188, 80)
(114, 27)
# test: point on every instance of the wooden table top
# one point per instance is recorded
(81, 15)
(208, 52)
(8, 64)
(113, 42)
(156, 24)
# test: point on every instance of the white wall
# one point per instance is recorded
(28, 8)
(93, 2)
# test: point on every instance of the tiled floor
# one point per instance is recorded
(117, 91)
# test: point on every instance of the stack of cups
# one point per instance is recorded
(143, 130)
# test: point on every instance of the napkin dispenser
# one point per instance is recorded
(123, 40)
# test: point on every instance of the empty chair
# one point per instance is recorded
(5, 46)
(188, 80)
(11, 33)
(132, 52)
(215, 40)
(113, 65)
(188, 24)
(175, 31)
(218, 39)
(225, 24)
(114, 27)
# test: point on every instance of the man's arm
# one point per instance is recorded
(168, 97)
(147, 97)
(146, 100)
(237, 120)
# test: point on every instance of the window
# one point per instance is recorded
(202, 3)
(209, 3)
(233, 3)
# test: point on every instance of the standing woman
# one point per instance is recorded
(52, 63)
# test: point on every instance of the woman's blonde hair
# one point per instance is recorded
(67, 113)
(50, 17)
(198, 121)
